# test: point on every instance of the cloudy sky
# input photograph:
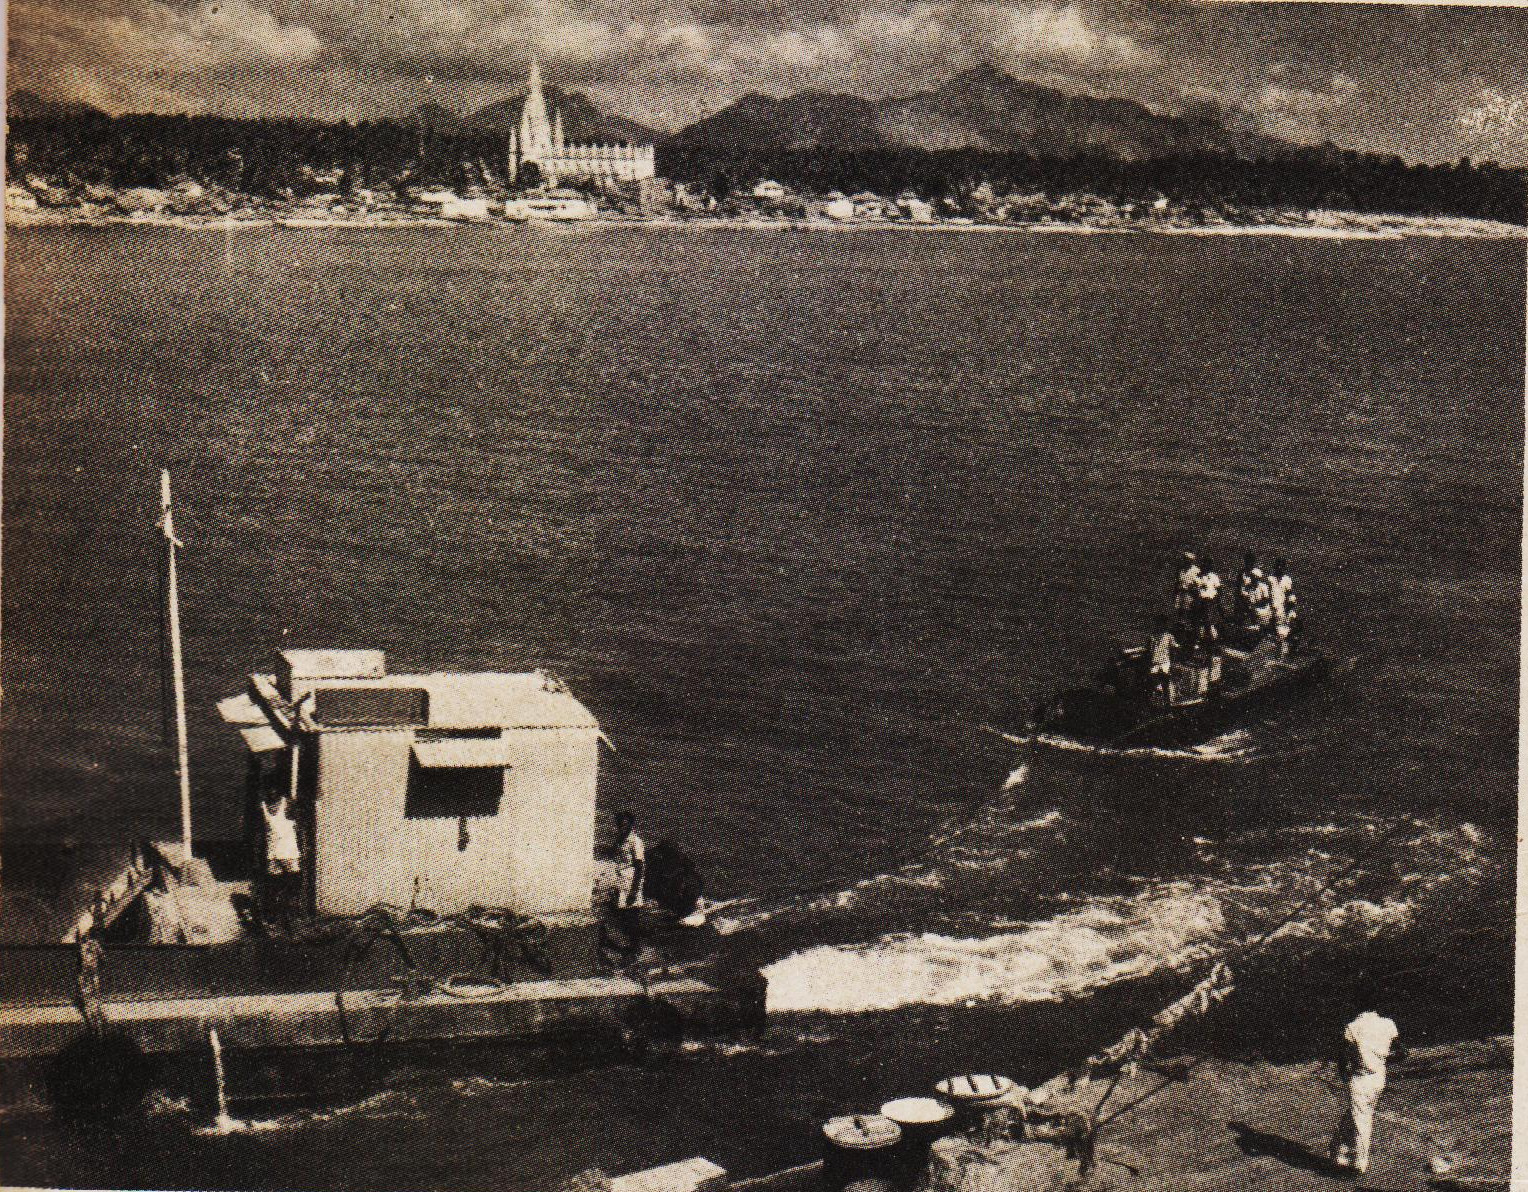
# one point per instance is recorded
(1428, 83)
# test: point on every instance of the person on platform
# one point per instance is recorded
(87, 983)
(1368, 1043)
(1186, 591)
(631, 870)
(283, 859)
(1283, 605)
(1159, 651)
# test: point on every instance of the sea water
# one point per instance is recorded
(800, 517)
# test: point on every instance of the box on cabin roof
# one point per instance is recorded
(444, 790)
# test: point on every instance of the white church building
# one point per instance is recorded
(539, 141)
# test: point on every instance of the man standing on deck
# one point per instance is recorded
(1252, 595)
(1160, 654)
(1367, 1043)
(1186, 593)
(1207, 608)
(631, 870)
(283, 858)
(1285, 607)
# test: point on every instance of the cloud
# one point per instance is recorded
(1281, 99)
(1494, 124)
(151, 53)
(1411, 82)
(222, 33)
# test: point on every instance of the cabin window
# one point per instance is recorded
(371, 706)
(456, 775)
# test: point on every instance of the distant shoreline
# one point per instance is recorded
(1326, 225)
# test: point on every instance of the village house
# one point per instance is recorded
(870, 206)
(914, 209)
(770, 191)
(835, 206)
(449, 205)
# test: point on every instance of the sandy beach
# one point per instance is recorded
(1333, 225)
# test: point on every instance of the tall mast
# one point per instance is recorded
(177, 663)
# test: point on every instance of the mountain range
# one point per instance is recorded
(28, 105)
(582, 120)
(983, 108)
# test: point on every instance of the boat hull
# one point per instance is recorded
(1096, 715)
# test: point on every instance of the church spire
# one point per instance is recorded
(535, 128)
(557, 130)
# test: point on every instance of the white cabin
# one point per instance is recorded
(438, 790)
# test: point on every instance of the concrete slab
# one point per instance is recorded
(525, 1010)
(688, 1175)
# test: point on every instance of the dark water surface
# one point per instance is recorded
(795, 514)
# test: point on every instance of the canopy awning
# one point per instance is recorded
(240, 710)
(262, 738)
(462, 753)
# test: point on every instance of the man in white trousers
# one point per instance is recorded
(1368, 1043)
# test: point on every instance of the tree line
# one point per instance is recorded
(1317, 177)
(292, 158)
(260, 158)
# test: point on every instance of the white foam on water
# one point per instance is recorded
(1234, 746)
(389, 1103)
(1164, 926)
(225, 1125)
(947, 854)
(1079, 950)
(912, 876)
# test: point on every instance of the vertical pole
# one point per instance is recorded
(177, 663)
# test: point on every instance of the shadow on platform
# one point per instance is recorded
(1286, 1151)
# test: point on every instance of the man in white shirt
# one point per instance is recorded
(631, 870)
(1186, 589)
(1367, 1044)
(283, 857)
(1207, 610)
(1160, 655)
(1284, 606)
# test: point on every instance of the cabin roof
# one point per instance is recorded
(334, 664)
(451, 700)
(455, 701)
(495, 700)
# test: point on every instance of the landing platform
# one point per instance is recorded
(525, 1010)
(1234, 1127)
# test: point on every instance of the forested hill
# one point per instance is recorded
(982, 108)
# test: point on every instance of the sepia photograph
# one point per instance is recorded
(761, 595)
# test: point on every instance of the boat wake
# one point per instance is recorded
(1162, 926)
(389, 1103)
(993, 839)
(1235, 746)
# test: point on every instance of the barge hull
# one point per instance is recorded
(528, 1010)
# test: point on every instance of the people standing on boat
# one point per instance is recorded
(1368, 1043)
(1186, 592)
(1284, 606)
(1160, 653)
(283, 859)
(1253, 608)
(1207, 608)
